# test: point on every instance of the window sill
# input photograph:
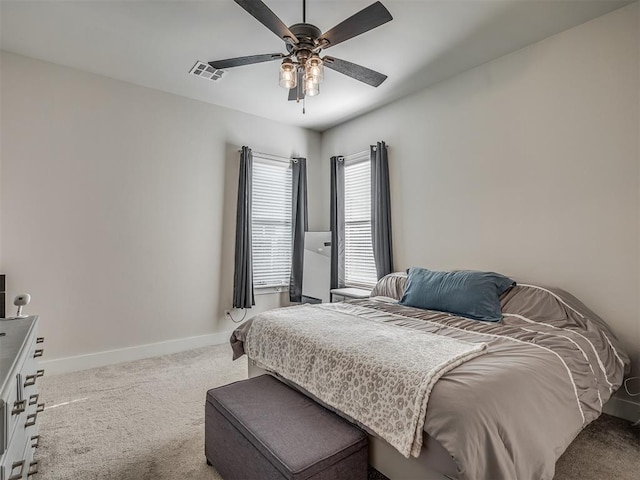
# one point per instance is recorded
(360, 286)
(269, 290)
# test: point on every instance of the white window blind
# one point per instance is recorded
(271, 223)
(359, 265)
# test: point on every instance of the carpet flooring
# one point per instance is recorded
(144, 420)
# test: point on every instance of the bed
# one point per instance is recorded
(505, 407)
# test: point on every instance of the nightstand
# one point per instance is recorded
(349, 293)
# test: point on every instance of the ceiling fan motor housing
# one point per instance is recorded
(307, 36)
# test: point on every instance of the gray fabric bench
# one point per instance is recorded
(262, 429)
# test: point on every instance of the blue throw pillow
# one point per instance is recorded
(466, 293)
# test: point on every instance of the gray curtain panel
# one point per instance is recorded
(337, 222)
(381, 210)
(243, 277)
(300, 225)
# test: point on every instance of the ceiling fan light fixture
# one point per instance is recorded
(302, 69)
(314, 68)
(288, 74)
(311, 87)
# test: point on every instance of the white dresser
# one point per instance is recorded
(20, 349)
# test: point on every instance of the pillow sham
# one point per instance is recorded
(391, 286)
(467, 293)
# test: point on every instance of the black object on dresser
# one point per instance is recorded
(3, 293)
(20, 349)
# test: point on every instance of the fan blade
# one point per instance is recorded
(298, 92)
(239, 61)
(265, 16)
(367, 19)
(364, 74)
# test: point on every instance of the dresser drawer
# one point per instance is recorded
(14, 464)
(31, 373)
(25, 440)
(31, 443)
(20, 466)
(30, 421)
(23, 397)
(14, 411)
(30, 378)
(35, 350)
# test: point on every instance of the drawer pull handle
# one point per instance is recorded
(40, 373)
(17, 475)
(38, 352)
(40, 407)
(40, 340)
(33, 468)
(30, 380)
(31, 420)
(33, 399)
(18, 407)
(35, 441)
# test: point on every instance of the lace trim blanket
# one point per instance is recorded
(355, 365)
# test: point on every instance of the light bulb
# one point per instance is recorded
(288, 74)
(314, 67)
(311, 87)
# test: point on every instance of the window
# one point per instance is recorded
(359, 265)
(271, 223)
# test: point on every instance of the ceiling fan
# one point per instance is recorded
(301, 70)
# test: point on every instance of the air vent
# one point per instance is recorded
(205, 70)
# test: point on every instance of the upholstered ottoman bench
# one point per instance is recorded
(262, 429)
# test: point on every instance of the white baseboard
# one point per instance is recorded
(110, 357)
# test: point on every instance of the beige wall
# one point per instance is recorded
(118, 202)
(118, 205)
(527, 165)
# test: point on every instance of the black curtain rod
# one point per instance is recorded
(271, 156)
(357, 154)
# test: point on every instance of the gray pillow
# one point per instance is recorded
(391, 285)
(466, 293)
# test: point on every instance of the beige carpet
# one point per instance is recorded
(143, 420)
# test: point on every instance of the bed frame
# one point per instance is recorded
(434, 462)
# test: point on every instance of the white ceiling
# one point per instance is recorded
(155, 43)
